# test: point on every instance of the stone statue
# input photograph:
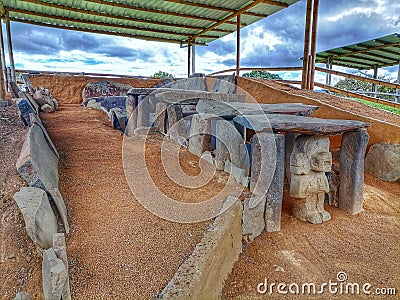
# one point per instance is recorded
(309, 161)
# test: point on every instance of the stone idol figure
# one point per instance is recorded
(309, 161)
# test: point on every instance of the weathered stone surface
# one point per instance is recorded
(228, 144)
(192, 83)
(206, 155)
(351, 163)
(30, 99)
(143, 112)
(289, 144)
(60, 249)
(225, 84)
(298, 124)
(189, 96)
(118, 118)
(104, 88)
(38, 166)
(40, 221)
(4, 103)
(54, 275)
(334, 183)
(383, 161)
(273, 205)
(24, 110)
(22, 296)
(238, 173)
(160, 122)
(93, 104)
(309, 161)
(220, 108)
(199, 135)
(176, 127)
(253, 222)
(46, 108)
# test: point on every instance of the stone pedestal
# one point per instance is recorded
(351, 163)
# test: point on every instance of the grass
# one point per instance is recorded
(394, 110)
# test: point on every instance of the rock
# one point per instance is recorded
(206, 155)
(60, 250)
(253, 217)
(22, 296)
(54, 275)
(93, 104)
(160, 122)
(225, 84)
(24, 110)
(351, 164)
(193, 83)
(46, 108)
(176, 126)
(228, 144)
(40, 221)
(4, 103)
(199, 135)
(104, 88)
(38, 166)
(143, 112)
(238, 173)
(383, 161)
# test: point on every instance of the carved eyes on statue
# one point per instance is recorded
(321, 161)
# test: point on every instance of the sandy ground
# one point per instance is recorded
(148, 250)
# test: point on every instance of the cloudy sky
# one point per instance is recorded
(273, 42)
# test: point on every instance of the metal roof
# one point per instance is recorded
(376, 53)
(175, 21)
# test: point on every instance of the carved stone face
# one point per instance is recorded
(321, 161)
(310, 153)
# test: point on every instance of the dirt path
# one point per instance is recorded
(117, 249)
(366, 247)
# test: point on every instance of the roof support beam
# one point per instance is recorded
(2, 66)
(313, 44)
(10, 48)
(230, 16)
(108, 15)
(306, 50)
(238, 17)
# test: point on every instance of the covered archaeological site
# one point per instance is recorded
(213, 186)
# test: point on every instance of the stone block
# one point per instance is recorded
(40, 221)
(383, 161)
(228, 144)
(54, 275)
(60, 249)
(160, 122)
(199, 135)
(176, 126)
(253, 222)
(351, 164)
(38, 166)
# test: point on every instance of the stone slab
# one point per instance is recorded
(351, 164)
(60, 249)
(38, 166)
(298, 124)
(173, 96)
(54, 275)
(253, 222)
(40, 221)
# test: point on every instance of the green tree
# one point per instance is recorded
(262, 74)
(162, 74)
(354, 85)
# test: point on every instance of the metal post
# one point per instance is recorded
(306, 52)
(397, 99)
(10, 48)
(3, 73)
(238, 27)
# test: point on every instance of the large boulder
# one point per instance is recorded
(104, 88)
(54, 274)
(40, 221)
(383, 161)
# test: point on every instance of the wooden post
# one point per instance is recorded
(194, 57)
(10, 48)
(3, 74)
(397, 99)
(375, 86)
(306, 52)
(238, 26)
(189, 57)
(313, 44)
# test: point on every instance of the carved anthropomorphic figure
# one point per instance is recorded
(309, 161)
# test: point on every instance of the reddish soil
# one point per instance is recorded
(366, 247)
(117, 249)
(68, 89)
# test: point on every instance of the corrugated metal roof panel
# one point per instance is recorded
(379, 52)
(174, 21)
